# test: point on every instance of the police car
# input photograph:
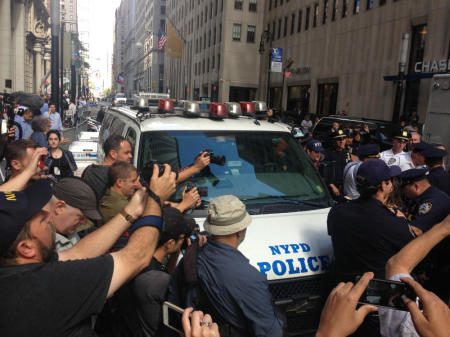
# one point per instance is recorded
(259, 162)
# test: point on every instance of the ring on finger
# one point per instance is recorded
(208, 324)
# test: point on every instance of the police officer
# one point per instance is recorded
(365, 153)
(437, 176)
(349, 145)
(339, 155)
(430, 204)
(395, 155)
(364, 232)
(314, 150)
(416, 154)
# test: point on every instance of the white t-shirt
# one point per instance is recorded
(396, 323)
(402, 159)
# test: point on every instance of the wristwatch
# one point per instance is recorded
(154, 197)
(127, 216)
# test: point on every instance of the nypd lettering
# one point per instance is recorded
(287, 264)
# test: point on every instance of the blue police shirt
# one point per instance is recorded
(440, 179)
(431, 207)
(26, 127)
(237, 289)
(365, 235)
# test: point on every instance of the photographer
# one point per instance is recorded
(23, 118)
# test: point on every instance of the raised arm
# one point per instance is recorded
(409, 256)
(200, 163)
(137, 254)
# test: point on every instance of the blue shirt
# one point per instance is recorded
(237, 289)
(55, 118)
(26, 127)
(44, 109)
(39, 138)
(431, 207)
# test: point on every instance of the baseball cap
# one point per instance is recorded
(368, 151)
(375, 171)
(16, 208)
(175, 224)
(315, 145)
(226, 215)
(412, 175)
(77, 193)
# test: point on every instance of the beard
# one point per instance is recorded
(47, 253)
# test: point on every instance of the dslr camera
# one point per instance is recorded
(218, 160)
(202, 190)
(147, 172)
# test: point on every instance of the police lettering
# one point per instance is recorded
(289, 249)
(297, 266)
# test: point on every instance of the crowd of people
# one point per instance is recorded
(99, 254)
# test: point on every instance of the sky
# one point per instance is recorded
(96, 27)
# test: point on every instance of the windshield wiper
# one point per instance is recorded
(289, 198)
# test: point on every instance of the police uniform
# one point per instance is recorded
(340, 158)
(401, 159)
(437, 176)
(431, 207)
(365, 234)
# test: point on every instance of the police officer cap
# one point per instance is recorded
(420, 147)
(412, 175)
(369, 151)
(402, 136)
(376, 171)
(432, 152)
(339, 134)
(314, 145)
(349, 133)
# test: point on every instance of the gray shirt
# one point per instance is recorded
(350, 172)
(65, 242)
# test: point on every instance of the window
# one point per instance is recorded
(163, 10)
(292, 23)
(203, 66)
(236, 32)
(276, 3)
(335, 9)
(215, 8)
(131, 137)
(209, 38)
(316, 14)
(252, 5)
(195, 69)
(279, 28)
(206, 14)
(163, 25)
(382, 2)
(308, 14)
(207, 66)
(270, 5)
(238, 4)
(218, 61)
(285, 26)
(369, 4)
(356, 6)
(273, 29)
(299, 24)
(344, 8)
(213, 63)
(325, 12)
(220, 33)
(214, 37)
(251, 34)
(204, 40)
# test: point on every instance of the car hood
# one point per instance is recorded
(288, 245)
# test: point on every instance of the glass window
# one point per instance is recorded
(292, 23)
(258, 167)
(356, 6)
(325, 12)
(327, 99)
(369, 4)
(344, 8)
(131, 137)
(308, 14)
(335, 9)
(270, 5)
(382, 2)
(236, 32)
(238, 4)
(117, 127)
(285, 25)
(279, 28)
(299, 24)
(251, 34)
(316, 14)
(252, 5)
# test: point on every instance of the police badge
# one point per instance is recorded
(424, 208)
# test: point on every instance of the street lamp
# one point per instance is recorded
(266, 37)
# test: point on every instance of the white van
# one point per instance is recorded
(287, 240)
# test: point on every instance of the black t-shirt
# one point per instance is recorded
(341, 159)
(62, 167)
(97, 177)
(365, 235)
(55, 298)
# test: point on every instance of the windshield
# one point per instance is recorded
(258, 165)
(120, 96)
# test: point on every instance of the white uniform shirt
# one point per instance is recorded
(402, 159)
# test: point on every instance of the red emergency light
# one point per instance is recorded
(248, 108)
(165, 106)
(217, 111)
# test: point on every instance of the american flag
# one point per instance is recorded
(162, 40)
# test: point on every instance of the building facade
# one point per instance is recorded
(220, 59)
(346, 53)
(26, 45)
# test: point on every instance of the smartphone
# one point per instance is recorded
(385, 293)
(42, 162)
(172, 317)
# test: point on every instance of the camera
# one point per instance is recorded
(202, 190)
(147, 172)
(218, 160)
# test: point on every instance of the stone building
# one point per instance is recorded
(346, 52)
(26, 45)
(220, 58)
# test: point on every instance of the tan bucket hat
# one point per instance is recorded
(226, 215)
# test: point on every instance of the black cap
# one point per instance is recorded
(175, 224)
(349, 133)
(412, 175)
(16, 208)
(376, 171)
(402, 136)
(432, 152)
(420, 147)
(78, 194)
(337, 134)
(369, 151)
